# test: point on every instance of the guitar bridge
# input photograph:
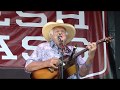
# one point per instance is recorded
(51, 70)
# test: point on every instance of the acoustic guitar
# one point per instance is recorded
(68, 69)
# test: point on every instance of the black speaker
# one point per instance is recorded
(13, 73)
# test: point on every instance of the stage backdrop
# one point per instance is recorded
(20, 33)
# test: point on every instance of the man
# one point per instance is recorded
(47, 55)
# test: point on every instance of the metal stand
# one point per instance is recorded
(61, 67)
(62, 49)
(77, 69)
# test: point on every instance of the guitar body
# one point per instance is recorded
(43, 74)
(46, 74)
(69, 71)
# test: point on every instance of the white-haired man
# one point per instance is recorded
(47, 55)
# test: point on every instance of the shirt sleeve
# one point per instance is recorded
(80, 60)
(35, 56)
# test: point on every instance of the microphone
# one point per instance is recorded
(61, 45)
(59, 37)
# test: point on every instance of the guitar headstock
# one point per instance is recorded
(108, 39)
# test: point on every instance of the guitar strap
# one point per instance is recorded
(76, 64)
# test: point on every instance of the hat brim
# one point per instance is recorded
(50, 25)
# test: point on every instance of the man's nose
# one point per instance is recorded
(59, 34)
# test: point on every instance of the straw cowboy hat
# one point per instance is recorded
(50, 25)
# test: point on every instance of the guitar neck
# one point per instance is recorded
(86, 49)
(71, 61)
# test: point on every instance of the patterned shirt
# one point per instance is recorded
(47, 50)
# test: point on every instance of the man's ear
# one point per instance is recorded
(50, 36)
(66, 33)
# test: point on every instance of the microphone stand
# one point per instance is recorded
(61, 76)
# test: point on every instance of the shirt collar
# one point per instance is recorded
(53, 45)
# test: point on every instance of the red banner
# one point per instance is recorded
(20, 33)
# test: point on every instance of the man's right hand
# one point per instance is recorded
(53, 62)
